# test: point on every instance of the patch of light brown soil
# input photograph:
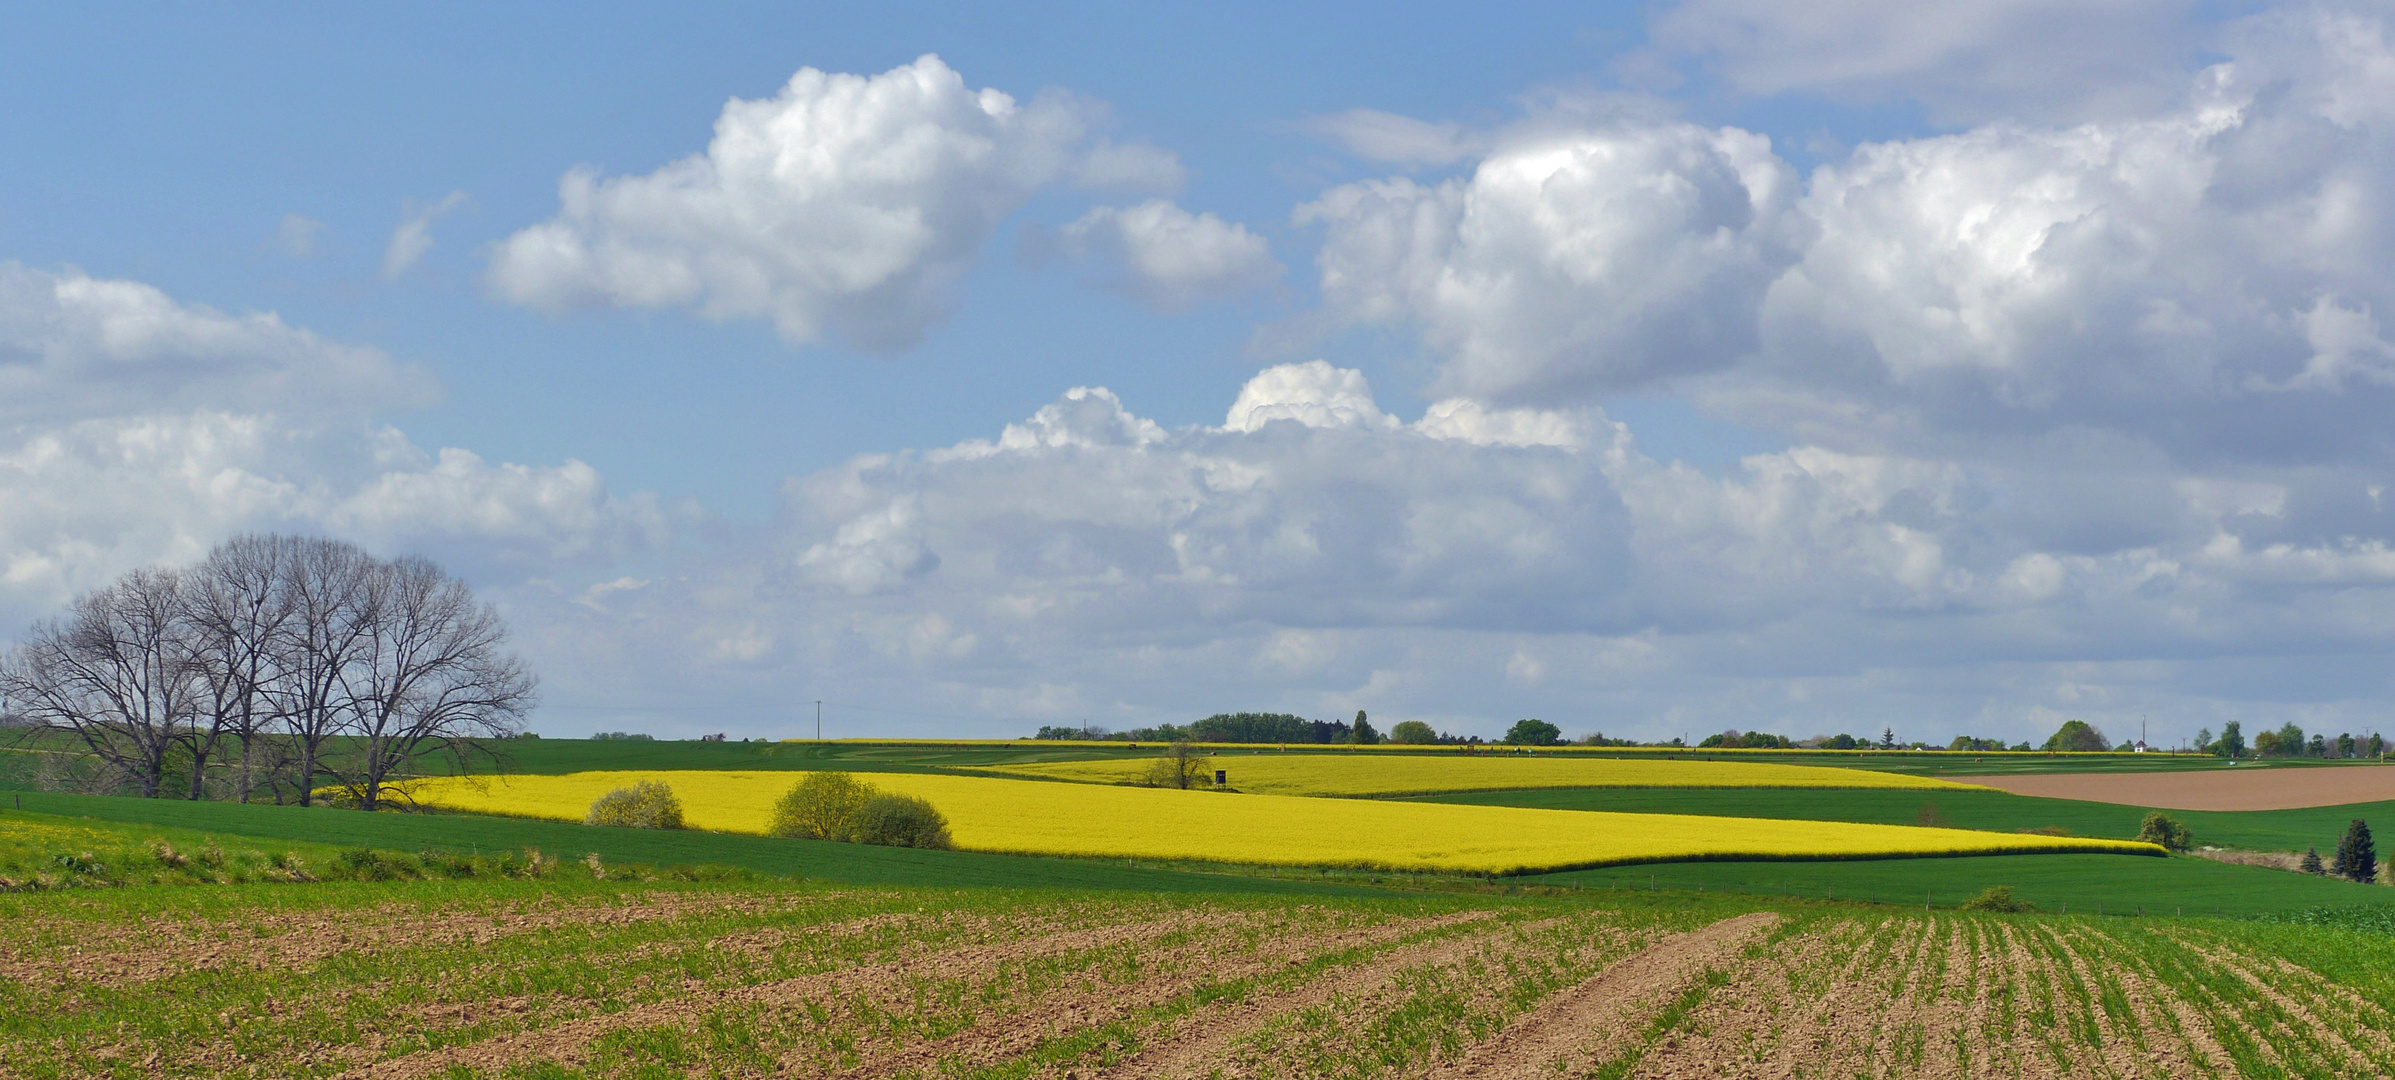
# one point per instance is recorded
(115, 955)
(1954, 997)
(1200, 1044)
(2242, 787)
(1573, 1027)
(1022, 1029)
(570, 1042)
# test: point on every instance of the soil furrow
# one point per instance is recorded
(1023, 1029)
(569, 1041)
(1608, 1006)
(157, 948)
(1756, 1017)
(1199, 1043)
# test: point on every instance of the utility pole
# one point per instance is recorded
(818, 720)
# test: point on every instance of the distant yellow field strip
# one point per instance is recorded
(1035, 818)
(1376, 774)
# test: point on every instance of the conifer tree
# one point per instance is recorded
(2357, 856)
(2311, 862)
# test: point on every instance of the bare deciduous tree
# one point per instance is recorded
(239, 609)
(115, 673)
(313, 658)
(1182, 766)
(332, 622)
(434, 675)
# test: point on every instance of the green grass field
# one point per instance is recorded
(850, 863)
(2084, 884)
(2079, 881)
(1998, 811)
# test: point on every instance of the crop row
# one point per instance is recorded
(502, 979)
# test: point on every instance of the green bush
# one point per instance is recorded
(1998, 898)
(2077, 736)
(649, 804)
(2168, 831)
(901, 821)
(1413, 733)
(822, 806)
(1533, 733)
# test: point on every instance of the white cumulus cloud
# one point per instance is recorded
(1569, 261)
(844, 204)
(135, 429)
(1316, 553)
(1168, 257)
(74, 346)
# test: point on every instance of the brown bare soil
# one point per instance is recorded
(1570, 1031)
(1118, 988)
(1199, 1046)
(1020, 1030)
(569, 1042)
(2243, 787)
(1957, 997)
(160, 947)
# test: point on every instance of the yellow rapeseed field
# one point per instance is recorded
(1388, 774)
(1039, 818)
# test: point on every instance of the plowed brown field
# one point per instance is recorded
(793, 982)
(2243, 787)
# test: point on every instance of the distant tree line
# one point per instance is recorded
(2289, 741)
(274, 667)
(1235, 728)
(2072, 736)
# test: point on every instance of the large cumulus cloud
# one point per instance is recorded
(2087, 417)
(2206, 279)
(844, 203)
(1570, 262)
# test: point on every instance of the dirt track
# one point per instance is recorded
(2243, 787)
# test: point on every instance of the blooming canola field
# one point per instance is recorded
(1428, 772)
(1044, 818)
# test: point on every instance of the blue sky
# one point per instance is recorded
(1652, 368)
(169, 148)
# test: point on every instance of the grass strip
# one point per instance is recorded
(850, 863)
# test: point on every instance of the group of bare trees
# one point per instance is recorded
(277, 666)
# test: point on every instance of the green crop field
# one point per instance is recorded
(173, 938)
(2112, 885)
(616, 978)
(331, 830)
(2262, 830)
